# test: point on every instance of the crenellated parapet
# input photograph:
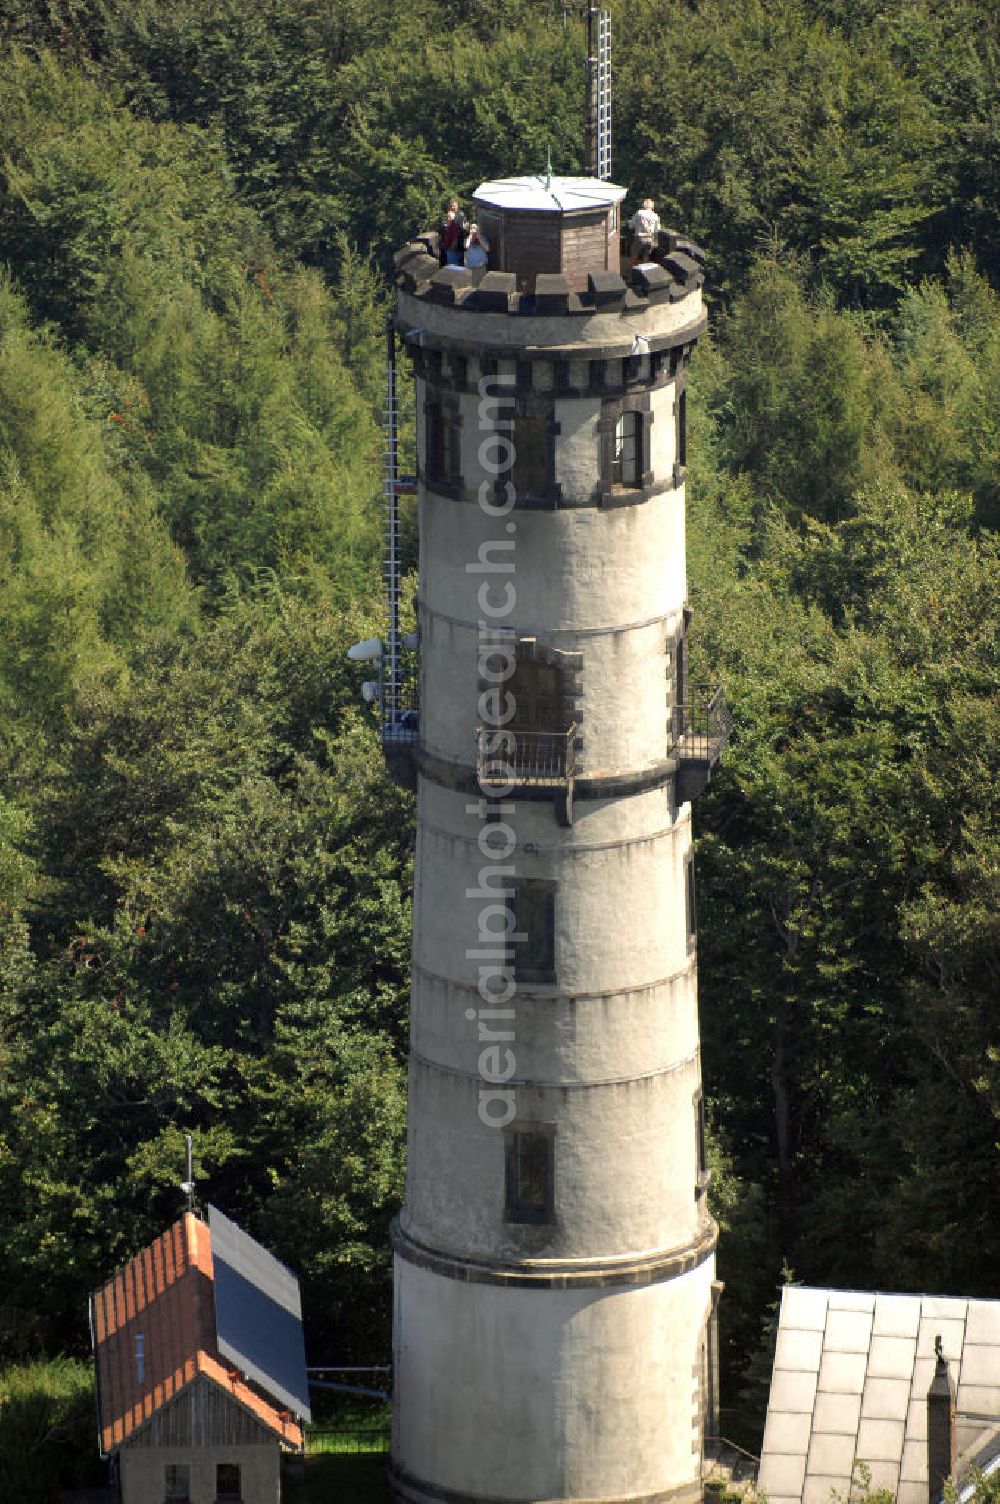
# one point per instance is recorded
(676, 271)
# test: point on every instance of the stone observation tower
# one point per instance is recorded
(554, 1259)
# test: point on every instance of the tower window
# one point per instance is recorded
(227, 1481)
(624, 430)
(529, 1173)
(681, 412)
(701, 1144)
(176, 1483)
(534, 905)
(443, 445)
(625, 466)
(532, 441)
(690, 898)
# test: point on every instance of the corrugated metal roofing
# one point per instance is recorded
(849, 1384)
(154, 1332)
(551, 194)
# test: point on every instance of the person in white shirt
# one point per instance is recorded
(645, 226)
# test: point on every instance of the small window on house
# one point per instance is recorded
(691, 901)
(140, 1358)
(227, 1481)
(443, 452)
(626, 468)
(529, 1162)
(701, 1145)
(530, 470)
(534, 905)
(176, 1482)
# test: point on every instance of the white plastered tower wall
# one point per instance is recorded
(563, 1358)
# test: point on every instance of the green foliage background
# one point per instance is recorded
(204, 871)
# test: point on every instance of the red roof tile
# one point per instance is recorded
(164, 1296)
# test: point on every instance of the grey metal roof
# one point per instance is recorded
(552, 194)
(850, 1380)
(258, 1314)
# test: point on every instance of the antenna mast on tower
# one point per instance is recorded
(187, 1184)
(599, 92)
(391, 665)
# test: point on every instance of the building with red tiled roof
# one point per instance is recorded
(200, 1367)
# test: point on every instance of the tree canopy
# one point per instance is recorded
(204, 870)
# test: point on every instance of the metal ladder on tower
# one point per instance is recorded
(391, 662)
(603, 93)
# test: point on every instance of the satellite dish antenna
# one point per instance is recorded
(187, 1186)
(368, 651)
(369, 691)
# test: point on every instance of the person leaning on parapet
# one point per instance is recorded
(644, 226)
(477, 248)
(453, 235)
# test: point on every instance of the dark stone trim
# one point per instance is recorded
(606, 494)
(438, 379)
(461, 778)
(625, 497)
(406, 1489)
(654, 1269)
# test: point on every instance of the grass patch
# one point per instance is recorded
(332, 1478)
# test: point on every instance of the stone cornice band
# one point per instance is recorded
(567, 1084)
(463, 778)
(553, 994)
(424, 609)
(561, 1274)
(405, 1489)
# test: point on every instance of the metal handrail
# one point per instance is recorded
(536, 756)
(700, 725)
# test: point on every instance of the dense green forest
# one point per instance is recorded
(204, 871)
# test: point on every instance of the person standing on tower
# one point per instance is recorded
(644, 226)
(477, 250)
(453, 235)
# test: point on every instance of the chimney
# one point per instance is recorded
(941, 1450)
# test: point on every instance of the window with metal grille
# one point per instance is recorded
(227, 1480)
(626, 468)
(176, 1483)
(529, 1175)
(534, 905)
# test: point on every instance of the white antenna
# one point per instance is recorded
(187, 1185)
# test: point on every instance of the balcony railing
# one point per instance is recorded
(538, 757)
(698, 729)
(401, 717)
